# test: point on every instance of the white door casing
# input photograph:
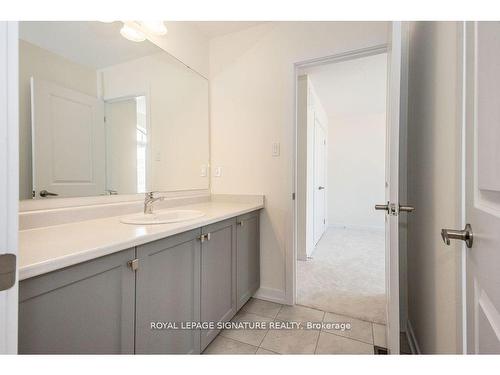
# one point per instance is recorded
(482, 185)
(68, 141)
(319, 180)
(9, 176)
(396, 118)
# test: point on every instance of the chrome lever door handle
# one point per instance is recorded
(383, 207)
(321, 187)
(406, 208)
(453, 234)
(45, 193)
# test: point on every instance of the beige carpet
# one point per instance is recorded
(346, 274)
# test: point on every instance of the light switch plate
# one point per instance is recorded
(203, 171)
(276, 149)
(218, 172)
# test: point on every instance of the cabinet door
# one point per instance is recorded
(218, 276)
(247, 257)
(168, 290)
(83, 309)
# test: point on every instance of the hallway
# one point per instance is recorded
(346, 274)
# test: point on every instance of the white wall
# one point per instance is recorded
(178, 105)
(356, 170)
(186, 43)
(42, 64)
(434, 185)
(353, 94)
(252, 87)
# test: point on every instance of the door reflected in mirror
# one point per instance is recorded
(102, 115)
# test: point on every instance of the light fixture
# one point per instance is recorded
(154, 27)
(132, 34)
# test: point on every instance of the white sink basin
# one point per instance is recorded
(162, 217)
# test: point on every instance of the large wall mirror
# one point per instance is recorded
(103, 115)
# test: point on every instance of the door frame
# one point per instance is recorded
(291, 262)
(9, 169)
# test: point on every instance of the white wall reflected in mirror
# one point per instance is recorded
(101, 115)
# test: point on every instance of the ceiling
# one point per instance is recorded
(213, 29)
(351, 87)
(93, 44)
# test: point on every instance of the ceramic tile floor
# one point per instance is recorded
(360, 339)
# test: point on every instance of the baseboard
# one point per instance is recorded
(271, 295)
(412, 339)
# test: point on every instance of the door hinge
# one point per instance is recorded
(293, 196)
(133, 264)
(7, 271)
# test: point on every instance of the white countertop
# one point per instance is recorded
(46, 249)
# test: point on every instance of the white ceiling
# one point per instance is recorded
(352, 86)
(94, 44)
(213, 29)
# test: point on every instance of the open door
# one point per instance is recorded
(482, 188)
(9, 186)
(396, 118)
(319, 180)
(73, 163)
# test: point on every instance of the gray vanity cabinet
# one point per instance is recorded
(218, 275)
(82, 309)
(168, 290)
(108, 305)
(247, 257)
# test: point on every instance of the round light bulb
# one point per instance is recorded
(132, 34)
(155, 27)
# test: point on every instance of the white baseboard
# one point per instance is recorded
(271, 295)
(412, 339)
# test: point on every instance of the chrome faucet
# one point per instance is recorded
(149, 199)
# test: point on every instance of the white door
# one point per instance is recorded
(396, 118)
(319, 180)
(9, 184)
(482, 178)
(68, 141)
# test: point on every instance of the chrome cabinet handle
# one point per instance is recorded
(45, 193)
(464, 235)
(204, 237)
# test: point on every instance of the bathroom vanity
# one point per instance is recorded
(99, 133)
(82, 292)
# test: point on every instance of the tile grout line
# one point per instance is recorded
(319, 334)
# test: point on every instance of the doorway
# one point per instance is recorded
(341, 167)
